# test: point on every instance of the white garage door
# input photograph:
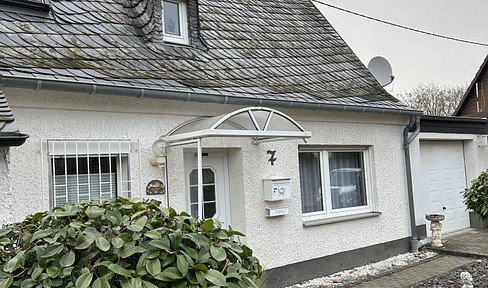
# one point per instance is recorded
(443, 181)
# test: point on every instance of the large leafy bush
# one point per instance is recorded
(476, 196)
(123, 243)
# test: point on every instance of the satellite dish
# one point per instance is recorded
(381, 70)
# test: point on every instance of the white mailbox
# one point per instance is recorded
(277, 188)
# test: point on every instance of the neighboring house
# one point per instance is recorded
(475, 101)
(107, 88)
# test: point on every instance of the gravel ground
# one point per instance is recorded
(367, 271)
(478, 272)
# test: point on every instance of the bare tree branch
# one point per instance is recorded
(434, 99)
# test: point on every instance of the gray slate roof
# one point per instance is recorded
(9, 132)
(283, 50)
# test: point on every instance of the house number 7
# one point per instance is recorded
(271, 159)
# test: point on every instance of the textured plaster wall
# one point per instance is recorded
(56, 115)
(237, 190)
(475, 161)
(287, 234)
(277, 241)
(6, 203)
(476, 157)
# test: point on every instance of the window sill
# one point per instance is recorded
(173, 42)
(323, 221)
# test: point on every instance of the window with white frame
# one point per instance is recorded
(88, 170)
(334, 181)
(175, 21)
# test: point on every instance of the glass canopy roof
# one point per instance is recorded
(261, 123)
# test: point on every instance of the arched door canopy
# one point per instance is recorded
(260, 123)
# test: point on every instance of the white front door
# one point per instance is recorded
(443, 181)
(216, 197)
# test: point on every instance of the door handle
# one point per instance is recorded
(444, 208)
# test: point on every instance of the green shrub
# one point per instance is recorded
(123, 243)
(476, 196)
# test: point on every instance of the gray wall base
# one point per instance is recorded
(294, 273)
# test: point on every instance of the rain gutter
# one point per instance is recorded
(12, 139)
(407, 140)
(139, 92)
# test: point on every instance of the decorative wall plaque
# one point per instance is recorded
(155, 187)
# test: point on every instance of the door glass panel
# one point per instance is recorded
(209, 198)
(209, 210)
(194, 177)
(208, 176)
(209, 193)
(194, 210)
(193, 194)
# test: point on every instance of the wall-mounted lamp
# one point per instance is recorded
(159, 151)
(159, 161)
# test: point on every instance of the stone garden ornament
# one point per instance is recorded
(435, 227)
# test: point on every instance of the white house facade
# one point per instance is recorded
(64, 118)
(311, 167)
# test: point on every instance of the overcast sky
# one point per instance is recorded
(416, 58)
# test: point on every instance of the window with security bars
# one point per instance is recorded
(88, 170)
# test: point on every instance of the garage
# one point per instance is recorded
(443, 181)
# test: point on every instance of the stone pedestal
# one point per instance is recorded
(435, 227)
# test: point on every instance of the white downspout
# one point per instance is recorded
(200, 179)
(414, 120)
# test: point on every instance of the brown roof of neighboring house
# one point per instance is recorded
(472, 86)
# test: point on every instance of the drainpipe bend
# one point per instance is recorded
(407, 140)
